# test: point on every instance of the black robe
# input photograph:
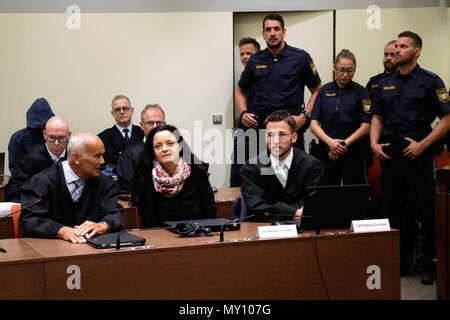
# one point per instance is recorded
(126, 165)
(43, 220)
(115, 143)
(262, 191)
(31, 164)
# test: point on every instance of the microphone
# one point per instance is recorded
(314, 219)
(234, 221)
(21, 208)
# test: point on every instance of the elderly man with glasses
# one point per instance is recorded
(123, 134)
(152, 116)
(56, 135)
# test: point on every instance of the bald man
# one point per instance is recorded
(56, 135)
(72, 200)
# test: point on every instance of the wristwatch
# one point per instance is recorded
(306, 113)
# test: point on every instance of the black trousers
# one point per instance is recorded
(408, 192)
(350, 168)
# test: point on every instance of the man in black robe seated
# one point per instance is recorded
(123, 134)
(276, 183)
(56, 135)
(72, 200)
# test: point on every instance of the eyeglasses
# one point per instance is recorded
(342, 70)
(279, 134)
(152, 123)
(121, 109)
(61, 139)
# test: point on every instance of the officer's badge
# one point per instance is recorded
(366, 105)
(313, 67)
(262, 66)
(443, 95)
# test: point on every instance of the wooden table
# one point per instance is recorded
(443, 236)
(327, 266)
(224, 201)
(21, 271)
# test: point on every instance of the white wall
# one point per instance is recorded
(183, 61)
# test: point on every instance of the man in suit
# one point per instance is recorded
(151, 117)
(72, 200)
(277, 183)
(56, 135)
(123, 134)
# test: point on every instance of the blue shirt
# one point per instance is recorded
(341, 111)
(278, 83)
(409, 104)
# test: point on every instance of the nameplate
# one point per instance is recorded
(282, 231)
(370, 225)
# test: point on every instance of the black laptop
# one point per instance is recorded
(335, 206)
(214, 224)
(109, 240)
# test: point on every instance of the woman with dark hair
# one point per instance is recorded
(170, 183)
(341, 121)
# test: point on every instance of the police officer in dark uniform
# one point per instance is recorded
(389, 66)
(405, 104)
(340, 120)
(276, 78)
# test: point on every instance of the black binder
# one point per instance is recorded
(109, 240)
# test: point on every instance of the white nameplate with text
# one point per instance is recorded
(370, 225)
(281, 231)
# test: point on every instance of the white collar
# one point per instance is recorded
(130, 128)
(275, 162)
(53, 156)
(69, 175)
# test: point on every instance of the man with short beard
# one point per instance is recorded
(404, 106)
(277, 77)
(389, 66)
(123, 134)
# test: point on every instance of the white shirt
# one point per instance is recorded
(70, 177)
(130, 128)
(54, 157)
(281, 168)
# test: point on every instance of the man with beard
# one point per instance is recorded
(389, 66)
(123, 134)
(279, 186)
(72, 200)
(276, 78)
(404, 106)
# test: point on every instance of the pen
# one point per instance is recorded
(2, 250)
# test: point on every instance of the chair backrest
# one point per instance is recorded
(16, 217)
(239, 209)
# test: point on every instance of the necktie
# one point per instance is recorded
(77, 191)
(127, 137)
(282, 172)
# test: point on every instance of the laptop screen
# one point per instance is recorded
(336, 206)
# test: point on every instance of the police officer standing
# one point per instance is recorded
(389, 66)
(276, 78)
(405, 104)
(340, 119)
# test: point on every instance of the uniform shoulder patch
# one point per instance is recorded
(300, 50)
(313, 67)
(443, 95)
(366, 105)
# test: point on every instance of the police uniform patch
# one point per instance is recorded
(389, 88)
(313, 67)
(443, 95)
(261, 66)
(366, 105)
(330, 94)
(374, 85)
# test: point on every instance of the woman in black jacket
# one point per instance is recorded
(170, 183)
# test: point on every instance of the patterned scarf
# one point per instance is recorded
(169, 186)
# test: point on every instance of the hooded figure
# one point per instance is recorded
(24, 141)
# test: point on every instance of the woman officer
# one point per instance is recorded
(340, 120)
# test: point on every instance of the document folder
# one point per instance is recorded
(109, 240)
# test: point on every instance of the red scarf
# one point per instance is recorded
(169, 186)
